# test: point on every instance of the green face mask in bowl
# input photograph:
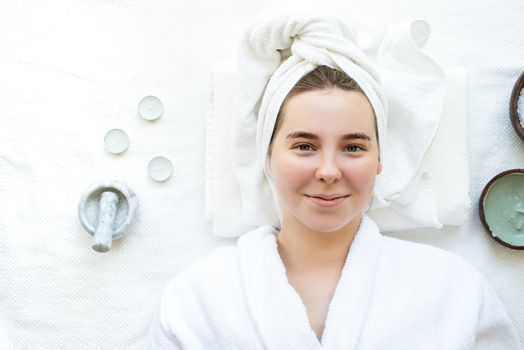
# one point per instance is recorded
(501, 208)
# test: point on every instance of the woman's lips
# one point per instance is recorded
(327, 202)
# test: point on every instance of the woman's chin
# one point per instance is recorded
(327, 225)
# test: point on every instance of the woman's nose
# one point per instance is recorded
(328, 170)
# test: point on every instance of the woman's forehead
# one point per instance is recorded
(317, 125)
(332, 107)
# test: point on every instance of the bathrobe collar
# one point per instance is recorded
(278, 311)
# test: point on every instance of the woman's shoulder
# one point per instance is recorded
(428, 260)
(208, 268)
(221, 264)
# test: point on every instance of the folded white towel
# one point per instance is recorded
(405, 195)
(445, 169)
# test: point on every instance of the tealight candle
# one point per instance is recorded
(502, 208)
(420, 31)
(150, 108)
(116, 141)
(160, 168)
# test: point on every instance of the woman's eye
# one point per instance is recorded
(300, 147)
(353, 148)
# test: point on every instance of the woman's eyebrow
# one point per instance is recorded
(308, 135)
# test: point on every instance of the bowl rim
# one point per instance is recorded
(513, 106)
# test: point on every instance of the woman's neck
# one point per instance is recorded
(305, 250)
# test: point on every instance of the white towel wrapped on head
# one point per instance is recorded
(402, 83)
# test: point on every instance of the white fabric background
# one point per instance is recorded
(72, 70)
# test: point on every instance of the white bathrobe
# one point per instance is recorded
(392, 294)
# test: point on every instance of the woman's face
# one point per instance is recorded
(311, 156)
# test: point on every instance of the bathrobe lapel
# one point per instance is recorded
(352, 297)
(278, 312)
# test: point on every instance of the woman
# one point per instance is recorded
(328, 279)
(324, 156)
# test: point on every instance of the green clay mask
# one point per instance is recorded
(504, 208)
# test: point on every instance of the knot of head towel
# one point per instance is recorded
(390, 64)
(308, 35)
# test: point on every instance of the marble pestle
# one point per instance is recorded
(107, 209)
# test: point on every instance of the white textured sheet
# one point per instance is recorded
(72, 70)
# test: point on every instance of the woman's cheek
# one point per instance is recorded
(295, 169)
(362, 174)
